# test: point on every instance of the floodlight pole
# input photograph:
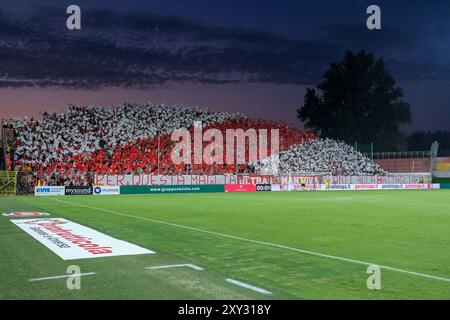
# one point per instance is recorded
(4, 166)
(371, 145)
(158, 151)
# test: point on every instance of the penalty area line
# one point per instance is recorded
(247, 286)
(63, 276)
(264, 243)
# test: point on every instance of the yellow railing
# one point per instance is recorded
(8, 183)
(443, 166)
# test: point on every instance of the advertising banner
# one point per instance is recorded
(416, 186)
(340, 187)
(365, 187)
(78, 191)
(240, 188)
(297, 179)
(70, 240)
(21, 214)
(390, 186)
(275, 187)
(170, 189)
(263, 187)
(49, 191)
(103, 191)
(299, 187)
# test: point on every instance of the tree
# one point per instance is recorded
(358, 101)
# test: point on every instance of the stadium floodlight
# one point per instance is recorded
(159, 149)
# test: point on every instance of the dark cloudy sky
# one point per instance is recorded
(256, 57)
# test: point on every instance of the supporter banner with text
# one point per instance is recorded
(392, 179)
(157, 180)
(162, 180)
(291, 179)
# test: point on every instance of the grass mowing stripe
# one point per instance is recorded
(318, 254)
(248, 286)
(61, 277)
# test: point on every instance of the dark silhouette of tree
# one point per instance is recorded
(422, 140)
(357, 101)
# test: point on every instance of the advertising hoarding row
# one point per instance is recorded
(116, 190)
(240, 188)
(337, 187)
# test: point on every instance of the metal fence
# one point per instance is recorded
(402, 155)
(443, 153)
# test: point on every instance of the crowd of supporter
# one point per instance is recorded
(321, 156)
(126, 139)
(83, 130)
(68, 148)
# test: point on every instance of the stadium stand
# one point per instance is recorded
(405, 165)
(93, 138)
(67, 148)
(323, 155)
(123, 139)
(443, 164)
(403, 162)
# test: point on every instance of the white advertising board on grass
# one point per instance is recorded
(70, 240)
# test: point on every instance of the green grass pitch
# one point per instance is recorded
(256, 238)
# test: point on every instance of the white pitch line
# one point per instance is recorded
(64, 276)
(269, 244)
(192, 266)
(248, 286)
